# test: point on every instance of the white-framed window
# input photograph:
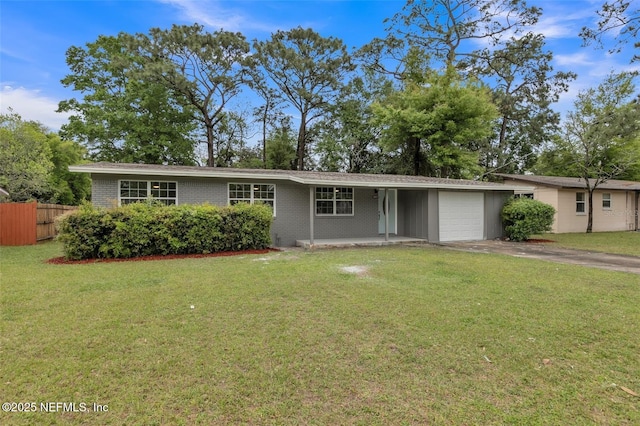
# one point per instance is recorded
(580, 202)
(134, 191)
(606, 201)
(334, 201)
(253, 193)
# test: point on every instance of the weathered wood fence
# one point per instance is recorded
(27, 223)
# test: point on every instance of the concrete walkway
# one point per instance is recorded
(544, 251)
(358, 242)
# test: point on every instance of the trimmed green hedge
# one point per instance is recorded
(523, 217)
(142, 229)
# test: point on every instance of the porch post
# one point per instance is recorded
(311, 216)
(386, 214)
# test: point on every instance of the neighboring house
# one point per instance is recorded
(318, 205)
(615, 202)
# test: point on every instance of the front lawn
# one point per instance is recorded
(402, 335)
(607, 242)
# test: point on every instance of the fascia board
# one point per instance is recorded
(265, 176)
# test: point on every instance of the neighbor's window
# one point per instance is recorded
(334, 201)
(606, 201)
(133, 191)
(580, 202)
(524, 195)
(253, 193)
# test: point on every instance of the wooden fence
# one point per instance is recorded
(27, 223)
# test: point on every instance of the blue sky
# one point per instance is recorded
(34, 36)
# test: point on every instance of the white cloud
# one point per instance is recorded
(211, 14)
(583, 58)
(32, 105)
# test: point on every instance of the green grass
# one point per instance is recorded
(608, 242)
(424, 336)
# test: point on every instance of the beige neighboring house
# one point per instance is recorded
(615, 202)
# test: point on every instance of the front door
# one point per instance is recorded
(393, 207)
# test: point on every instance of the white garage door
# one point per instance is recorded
(461, 216)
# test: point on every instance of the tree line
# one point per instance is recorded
(423, 100)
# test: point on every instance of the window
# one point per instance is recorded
(606, 201)
(580, 202)
(133, 191)
(528, 195)
(253, 193)
(334, 201)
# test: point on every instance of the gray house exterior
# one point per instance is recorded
(318, 205)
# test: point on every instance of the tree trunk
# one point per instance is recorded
(416, 156)
(302, 135)
(210, 142)
(590, 214)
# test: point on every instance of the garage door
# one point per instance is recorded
(461, 216)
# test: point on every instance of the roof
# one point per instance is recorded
(572, 182)
(302, 177)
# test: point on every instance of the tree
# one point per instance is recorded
(347, 138)
(524, 89)
(444, 28)
(122, 116)
(69, 188)
(281, 148)
(34, 162)
(439, 123)
(603, 133)
(206, 69)
(615, 17)
(513, 62)
(309, 70)
(229, 139)
(25, 159)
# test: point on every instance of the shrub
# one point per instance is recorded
(150, 228)
(523, 217)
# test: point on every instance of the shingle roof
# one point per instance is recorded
(303, 177)
(572, 182)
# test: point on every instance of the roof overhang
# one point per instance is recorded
(378, 181)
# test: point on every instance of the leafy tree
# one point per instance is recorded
(439, 123)
(616, 17)
(34, 163)
(309, 70)
(230, 137)
(524, 89)
(513, 62)
(69, 188)
(347, 137)
(123, 116)
(25, 159)
(603, 133)
(281, 148)
(206, 69)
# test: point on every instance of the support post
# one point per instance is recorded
(386, 214)
(311, 216)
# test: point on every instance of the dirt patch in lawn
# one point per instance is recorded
(63, 261)
(360, 271)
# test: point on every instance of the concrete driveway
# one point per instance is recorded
(544, 251)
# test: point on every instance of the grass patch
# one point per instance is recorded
(606, 242)
(423, 336)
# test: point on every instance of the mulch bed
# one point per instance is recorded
(63, 261)
(539, 240)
